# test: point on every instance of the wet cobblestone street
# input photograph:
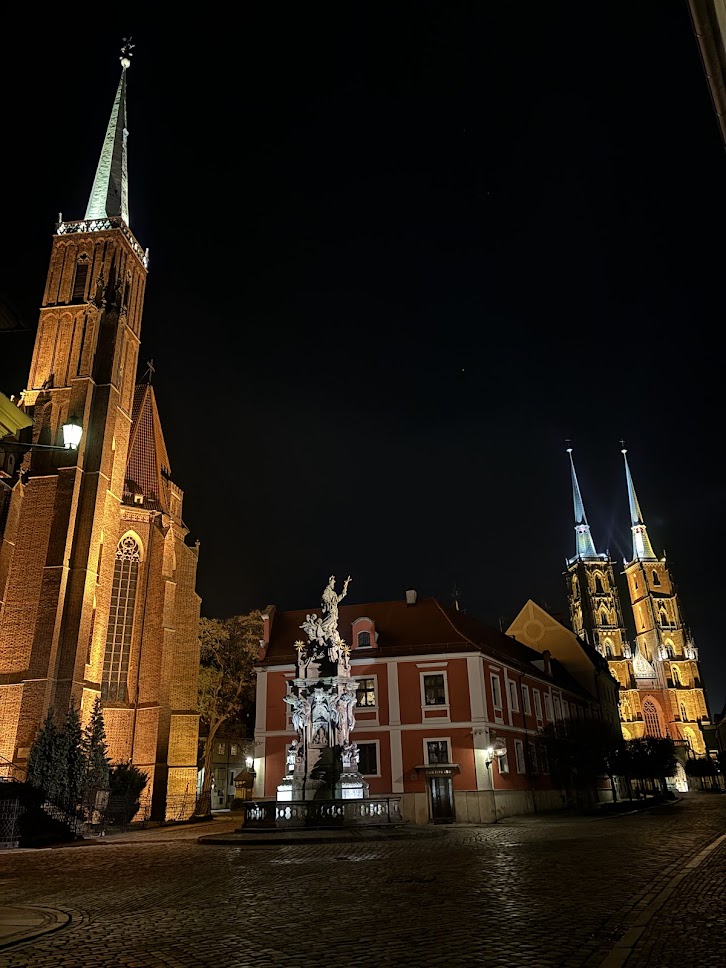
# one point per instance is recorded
(542, 891)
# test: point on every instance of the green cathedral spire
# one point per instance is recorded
(584, 545)
(642, 549)
(110, 193)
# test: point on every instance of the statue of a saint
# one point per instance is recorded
(300, 714)
(330, 603)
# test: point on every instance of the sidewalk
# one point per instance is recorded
(22, 923)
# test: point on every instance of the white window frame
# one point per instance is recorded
(422, 678)
(537, 704)
(512, 695)
(558, 708)
(519, 756)
(548, 707)
(374, 677)
(503, 763)
(436, 739)
(544, 759)
(496, 685)
(532, 752)
(526, 704)
(377, 744)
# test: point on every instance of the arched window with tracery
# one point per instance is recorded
(599, 590)
(625, 711)
(651, 720)
(676, 676)
(684, 716)
(114, 684)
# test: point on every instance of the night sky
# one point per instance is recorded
(399, 254)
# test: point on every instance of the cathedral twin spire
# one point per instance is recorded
(585, 547)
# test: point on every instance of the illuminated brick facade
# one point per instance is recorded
(97, 584)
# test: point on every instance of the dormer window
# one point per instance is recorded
(363, 633)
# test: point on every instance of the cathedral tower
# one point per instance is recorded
(593, 597)
(97, 585)
(669, 699)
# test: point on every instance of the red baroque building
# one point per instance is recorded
(437, 691)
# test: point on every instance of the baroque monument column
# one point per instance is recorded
(322, 761)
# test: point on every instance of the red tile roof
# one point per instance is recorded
(427, 627)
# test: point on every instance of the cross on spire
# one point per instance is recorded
(150, 370)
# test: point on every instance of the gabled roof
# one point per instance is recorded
(147, 468)
(427, 627)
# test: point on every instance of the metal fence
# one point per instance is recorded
(10, 814)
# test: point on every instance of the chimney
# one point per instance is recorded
(410, 596)
(547, 656)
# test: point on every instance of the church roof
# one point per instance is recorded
(147, 469)
(110, 192)
(427, 627)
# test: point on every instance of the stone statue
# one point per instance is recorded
(300, 714)
(350, 756)
(323, 632)
(330, 601)
(291, 756)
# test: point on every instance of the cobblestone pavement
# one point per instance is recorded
(542, 891)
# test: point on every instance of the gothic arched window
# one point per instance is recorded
(676, 676)
(651, 720)
(684, 717)
(609, 651)
(656, 579)
(114, 684)
(599, 590)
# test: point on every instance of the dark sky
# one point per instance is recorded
(399, 254)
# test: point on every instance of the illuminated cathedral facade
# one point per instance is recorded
(97, 582)
(661, 688)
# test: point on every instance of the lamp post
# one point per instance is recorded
(489, 753)
(72, 433)
(492, 752)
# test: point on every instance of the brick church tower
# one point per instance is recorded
(661, 690)
(97, 583)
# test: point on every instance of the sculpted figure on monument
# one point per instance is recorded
(330, 606)
(323, 632)
(300, 714)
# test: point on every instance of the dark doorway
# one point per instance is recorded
(442, 799)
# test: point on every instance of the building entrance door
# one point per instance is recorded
(441, 790)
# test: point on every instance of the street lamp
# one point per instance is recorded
(491, 752)
(72, 433)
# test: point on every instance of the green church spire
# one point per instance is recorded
(110, 193)
(642, 549)
(584, 545)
